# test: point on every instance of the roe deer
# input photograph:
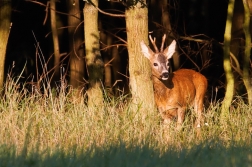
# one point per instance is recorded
(174, 92)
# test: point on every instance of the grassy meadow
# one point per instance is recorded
(47, 130)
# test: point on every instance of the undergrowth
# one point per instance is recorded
(60, 130)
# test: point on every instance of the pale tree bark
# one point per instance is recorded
(56, 47)
(141, 85)
(76, 48)
(94, 62)
(5, 25)
(246, 60)
(227, 64)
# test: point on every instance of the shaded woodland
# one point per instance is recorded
(198, 26)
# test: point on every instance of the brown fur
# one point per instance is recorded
(174, 92)
(184, 87)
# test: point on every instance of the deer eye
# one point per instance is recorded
(155, 64)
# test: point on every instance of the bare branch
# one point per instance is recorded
(45, 5)
(237, 67)
(46, 10)
(106, 13)
(108, 63)
(194, 39)
(110, 46)
(109, 14)
(190, 59)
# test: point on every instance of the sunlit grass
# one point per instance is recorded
(49, 130)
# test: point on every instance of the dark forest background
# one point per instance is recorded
(197, 25)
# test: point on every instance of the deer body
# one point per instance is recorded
(174, 92)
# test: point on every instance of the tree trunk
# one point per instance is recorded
(106, 41)
(246, 61)
(95, 65)
(227, 65)
(139, 68)
(237, 43)
(56, 48)
(76, 47)
(5, 25)
(168, 30)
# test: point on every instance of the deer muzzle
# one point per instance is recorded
(165, 76)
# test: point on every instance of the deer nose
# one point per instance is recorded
(165, 75)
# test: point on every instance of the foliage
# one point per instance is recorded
(133, 3)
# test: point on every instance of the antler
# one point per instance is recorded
(162, 45)
(154, 43)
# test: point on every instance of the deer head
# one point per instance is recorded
(159, 59)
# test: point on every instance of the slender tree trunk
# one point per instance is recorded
(237, 43)
(5, 25)
(120, 87)
(226, 63)
(246, 61)
(95, 65)
(106, 41)
(139, 68)
(76, 47)
(168, 30)
(55, 41)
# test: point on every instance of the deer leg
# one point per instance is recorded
(199, 99)
(181, 117)
(167, 118)
(198, 107)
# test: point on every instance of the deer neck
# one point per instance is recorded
(161, 86)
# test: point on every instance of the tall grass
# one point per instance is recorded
(49, 130)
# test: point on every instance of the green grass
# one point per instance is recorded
(39, 130)
(205, 154)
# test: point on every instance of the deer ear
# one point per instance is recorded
(147, 52)
(170, 50)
